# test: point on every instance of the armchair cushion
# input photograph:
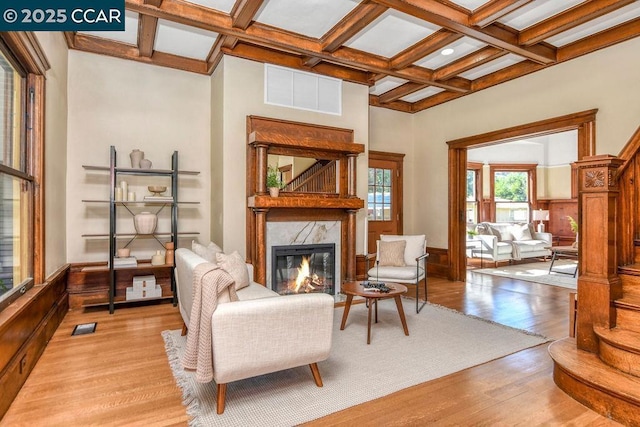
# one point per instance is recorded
(521, 232)
(415, 246)
(207, 252)
(392, 253)
(236, 267)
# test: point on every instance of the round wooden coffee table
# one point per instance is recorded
(352, 289)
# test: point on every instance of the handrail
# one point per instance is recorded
(628, 152)
(322, 180)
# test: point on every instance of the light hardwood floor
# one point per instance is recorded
(120, 374)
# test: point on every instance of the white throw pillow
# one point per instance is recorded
(391, 253)
(415, 245)
(521, 232)
(207, 252)
(236, 267)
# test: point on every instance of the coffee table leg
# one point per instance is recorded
(369, 321)
(401, 313)
(345, 313)
(376, 303)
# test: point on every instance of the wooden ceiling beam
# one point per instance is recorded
(261, 54)
(453, 20)
(230, 42)
(147, 27)
(361, 16)
(70, 38)
(568, 19)
(155, 3)
(403, 106)
(243, 12)
(427, 46)
(125, 51)
(311, 61)
(400, 91)
(493, 10)
(215, 55)
(479, 57)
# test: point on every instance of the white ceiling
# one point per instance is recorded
(559, 149)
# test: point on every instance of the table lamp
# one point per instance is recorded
(540, 215)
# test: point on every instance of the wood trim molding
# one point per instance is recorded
(35, 142)
(584, 122)
(27, 49)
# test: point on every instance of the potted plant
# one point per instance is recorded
(574, 227)
(274, 182)
(471, 234)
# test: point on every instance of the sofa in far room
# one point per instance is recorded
(510, 241)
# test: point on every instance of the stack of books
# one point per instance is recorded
(158, 198)
(129, 261)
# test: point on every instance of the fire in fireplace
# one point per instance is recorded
(303, 268)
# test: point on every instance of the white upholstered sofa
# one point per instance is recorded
(249, 336)
(507, 241)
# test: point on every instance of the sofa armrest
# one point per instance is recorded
(256, 337)
(489, 244)
(547, 237)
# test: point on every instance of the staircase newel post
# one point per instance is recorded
(598, 281)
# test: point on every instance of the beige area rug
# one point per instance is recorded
(441, 342)
(538, 272)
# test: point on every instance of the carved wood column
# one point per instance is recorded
(350, 273)
(260, 263)
(351, 173)
(261, 168)
(598, 282)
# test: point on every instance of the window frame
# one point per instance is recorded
(26, 54)
(476, 167)
(529, 168)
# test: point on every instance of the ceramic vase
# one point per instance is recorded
(169, 254)
(145, 164)
(158, 258)
(136, 155)
(274, 191)
(145, 222)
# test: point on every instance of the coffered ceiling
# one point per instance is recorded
(413, 54)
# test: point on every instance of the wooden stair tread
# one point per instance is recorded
(590, 370)
(629, 302)
(620, 338)
(631, 269)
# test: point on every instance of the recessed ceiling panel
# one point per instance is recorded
(492, 66)
(536, 11)
(183, 40)
(129, 35)
(391, 33)
(312, 18)
(461, 47)
(614, 18)
(385, 85)
(469, 4)
(221, 5)
(422, 94)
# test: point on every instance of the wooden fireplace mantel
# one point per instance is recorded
(271, 136)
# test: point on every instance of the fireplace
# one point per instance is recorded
(303, 268)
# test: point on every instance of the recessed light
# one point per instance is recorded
(446, 52)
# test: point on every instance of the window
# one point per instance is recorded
(474, 192)
(17, 196)
(379, 197)
(513, 192)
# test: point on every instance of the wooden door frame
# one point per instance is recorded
(398, 199)
(584, 122)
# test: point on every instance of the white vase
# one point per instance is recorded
(145, 222)
(145, 164)
(274, 191)
(136, 155)
(158, 258)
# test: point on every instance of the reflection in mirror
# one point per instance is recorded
(306, 175)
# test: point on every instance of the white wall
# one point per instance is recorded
(243, 96)
(55, 149)
(608, 80)
(132, 105)
(217, 166)
(392, 131)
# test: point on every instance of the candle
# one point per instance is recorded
(118, 195)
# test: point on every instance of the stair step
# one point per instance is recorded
(630, 285)
(620, 348)
(628, 312)
(593, 383)
(630, 269)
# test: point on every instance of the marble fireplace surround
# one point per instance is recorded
(304, 233)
